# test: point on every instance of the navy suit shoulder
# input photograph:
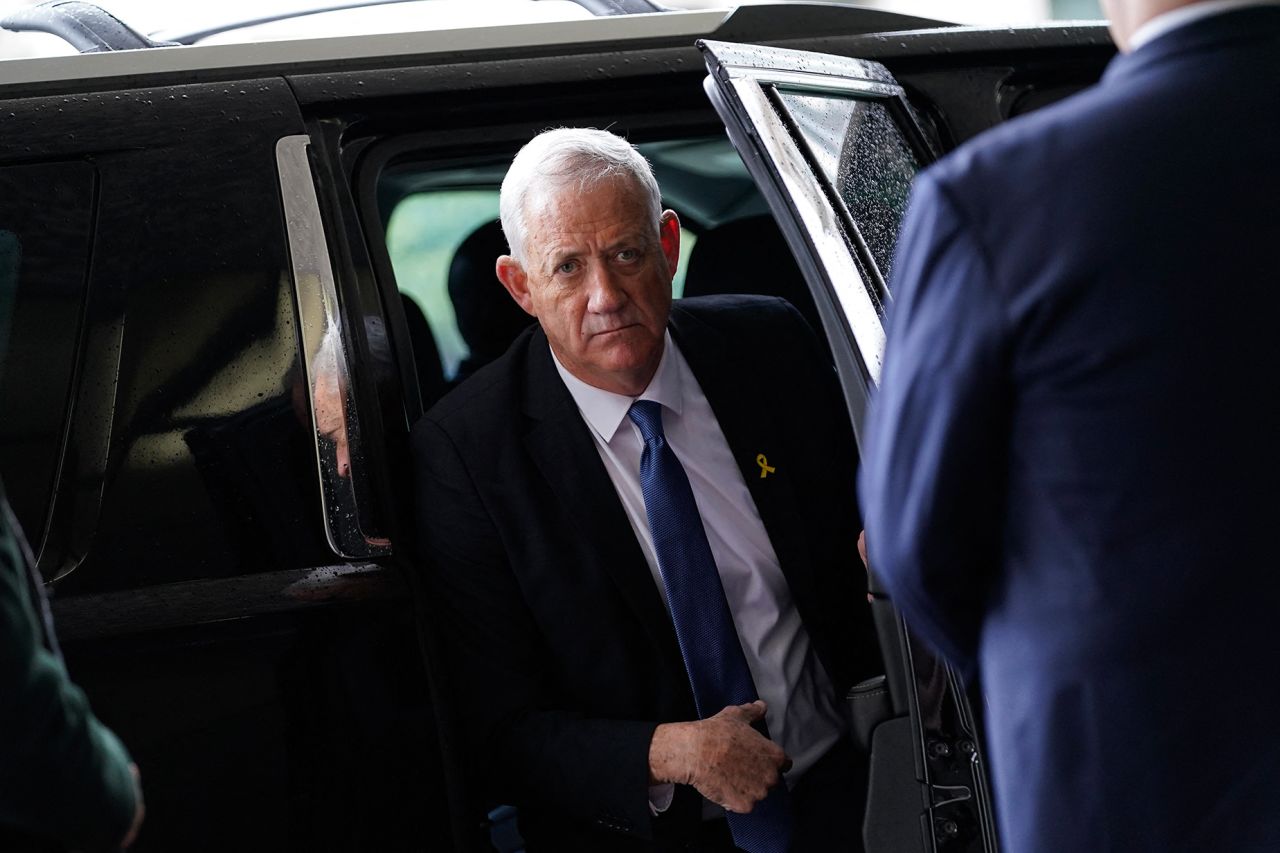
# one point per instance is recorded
(746, 314)
(1157, 124)
(492, 386)
(762, 336)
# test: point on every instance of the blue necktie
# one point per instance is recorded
(713, 656)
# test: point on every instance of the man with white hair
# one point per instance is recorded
(647, 567)
(1071, 476)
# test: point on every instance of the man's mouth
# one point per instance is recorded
(614, 330)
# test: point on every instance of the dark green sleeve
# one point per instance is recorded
(63, 775)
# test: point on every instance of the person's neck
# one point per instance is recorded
(1127, 16)
(631, 383)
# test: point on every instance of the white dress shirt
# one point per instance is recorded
(802, 716)
(1183, 15)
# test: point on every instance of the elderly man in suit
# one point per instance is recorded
(1072, 476)
(643, 533)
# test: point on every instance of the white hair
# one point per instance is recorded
(570, 155)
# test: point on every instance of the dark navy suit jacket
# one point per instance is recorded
(563, 657)
(1072, 477)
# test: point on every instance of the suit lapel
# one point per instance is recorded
(562, 447)
(752, 428)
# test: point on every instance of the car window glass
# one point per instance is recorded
(192, 431)
(423, 234)
(213, 466)
(45, 214)
(864, 155)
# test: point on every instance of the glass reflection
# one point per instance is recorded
(328, 395)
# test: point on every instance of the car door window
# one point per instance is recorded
(863, 154)
(45, 215)
(424, 233)
(817, 132)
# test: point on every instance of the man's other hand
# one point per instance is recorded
(139, 810)
(862, 552)
(728, 761)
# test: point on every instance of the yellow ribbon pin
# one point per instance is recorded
(765, 468)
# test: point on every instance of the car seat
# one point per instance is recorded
(426, 357)
(750, 255)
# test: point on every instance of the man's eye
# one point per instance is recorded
(567, 268)
(628, 255)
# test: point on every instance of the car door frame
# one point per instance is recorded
(743, 86)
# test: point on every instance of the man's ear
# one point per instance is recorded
(669, 237)
(514, 279)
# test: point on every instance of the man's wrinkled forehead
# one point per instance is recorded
(549, 200)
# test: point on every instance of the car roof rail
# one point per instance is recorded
(84, 26)
(598, 8)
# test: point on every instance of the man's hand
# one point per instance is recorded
(139, 811)
(862, 552)
(729, 762)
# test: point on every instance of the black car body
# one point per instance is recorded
(197, 224)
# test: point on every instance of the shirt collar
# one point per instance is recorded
(1184, 15)
(604, 410)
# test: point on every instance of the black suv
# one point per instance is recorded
(237, 274)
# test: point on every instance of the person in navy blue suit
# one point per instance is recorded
(1071, 481)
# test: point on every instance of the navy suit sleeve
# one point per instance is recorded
(933, 476)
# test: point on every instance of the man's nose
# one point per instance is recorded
(606, 294)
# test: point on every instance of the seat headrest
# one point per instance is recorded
(488, 318)
(748, 255)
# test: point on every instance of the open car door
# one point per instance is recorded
(834, 144)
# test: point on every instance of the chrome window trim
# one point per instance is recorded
(768, 62)
(319, 316)
(811, 83)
